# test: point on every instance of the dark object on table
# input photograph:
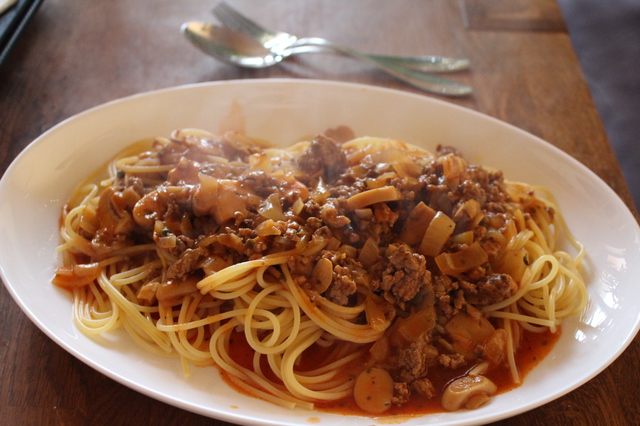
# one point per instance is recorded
(13, 22)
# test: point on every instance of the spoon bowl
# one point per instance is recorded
(229, 46)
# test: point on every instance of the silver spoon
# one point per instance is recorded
(238, 49)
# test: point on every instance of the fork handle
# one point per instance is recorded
(391, 65)
(426, 63)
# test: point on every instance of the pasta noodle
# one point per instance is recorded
(361, 251)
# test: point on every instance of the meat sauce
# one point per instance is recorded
(423, 248)
(532, 349)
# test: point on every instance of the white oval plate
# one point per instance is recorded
(41, 178)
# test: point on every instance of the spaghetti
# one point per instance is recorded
(385, 257)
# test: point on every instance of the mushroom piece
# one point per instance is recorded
(322, 275)
(468, 392)
(373, 390)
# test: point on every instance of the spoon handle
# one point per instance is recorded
(417, 78)
(426, 63)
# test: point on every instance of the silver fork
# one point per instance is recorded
(410, 69)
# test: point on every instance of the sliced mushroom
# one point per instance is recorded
(479, 369)
(373, 390)
(322, 275)
(468, 392)
(373, 196)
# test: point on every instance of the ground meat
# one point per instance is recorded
(186, 263)
(342, 285)
(350, 235)
(471, 190)
(383, 214)
(405, 273)
(414, 359)
(381, 225)
(314, 223)
(411, 362)
(401, 393)
(492, 289)
(445, 290)
(300, 265)
(476, 274)
(343, 281)
(136, 184)
(441, 198)
(332, 216)
(451, 361)
(174, 213)
(459, 301)
(261, 183)
(323, 158)
(492, 247)
(322, 232)
(424, 387)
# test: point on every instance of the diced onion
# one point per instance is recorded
(510, 231)
(261, 161)
(366, 214)
(369, 253)
(466, 331)
(89, 219)
(229, 202)
(205, 195)
(452, 166)
(416, 224)
(321, 192)
(381, 180)
(297, 206)
(268, 227)
(463, 260)
(171, 291)
(70, 277)
(513, 263)
(380, 349)
(437, 234)
(271, 209)
(374, 312)
(412, 327)
(213, 264)
(166, 242)
(463, 238)
(470, 207)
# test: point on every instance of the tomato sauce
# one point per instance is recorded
(533, 348)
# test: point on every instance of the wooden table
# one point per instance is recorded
(78, 54)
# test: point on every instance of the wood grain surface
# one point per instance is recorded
(77, 54)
